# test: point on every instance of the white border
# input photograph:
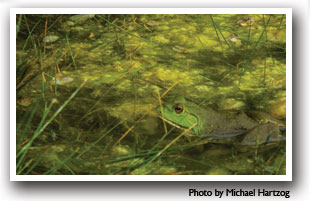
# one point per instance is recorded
(287, 177)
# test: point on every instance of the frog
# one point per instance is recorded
(247, 126)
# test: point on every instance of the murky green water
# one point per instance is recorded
(88, 86)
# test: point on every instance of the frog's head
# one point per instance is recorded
(181, 114)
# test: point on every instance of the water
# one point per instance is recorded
(110, 126)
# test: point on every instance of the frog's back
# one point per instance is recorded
(226, 123)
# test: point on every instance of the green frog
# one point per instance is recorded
(251, 128)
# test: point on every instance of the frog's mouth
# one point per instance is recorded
(189, 131)
(172, 123)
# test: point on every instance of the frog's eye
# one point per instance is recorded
(178, 108)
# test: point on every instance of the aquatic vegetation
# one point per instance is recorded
(24, 101)
(246, 21)
(81, 18)
(135, 64)
(50, 38)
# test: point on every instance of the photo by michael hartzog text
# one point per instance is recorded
(238, 192)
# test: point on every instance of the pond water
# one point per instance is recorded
(89, 88)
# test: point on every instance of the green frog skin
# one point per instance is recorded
(218, 124)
